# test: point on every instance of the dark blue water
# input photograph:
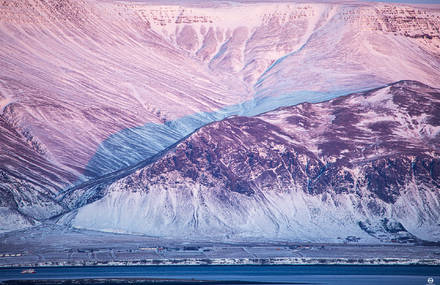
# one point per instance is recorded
(316, 274)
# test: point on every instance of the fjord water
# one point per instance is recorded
(270, 274)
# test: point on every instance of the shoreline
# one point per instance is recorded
(274, 261)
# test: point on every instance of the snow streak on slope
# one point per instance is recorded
(373, 45)
(243, 39)
(367, 165)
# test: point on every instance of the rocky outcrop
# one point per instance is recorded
(28, 180)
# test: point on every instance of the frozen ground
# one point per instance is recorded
(51, 245)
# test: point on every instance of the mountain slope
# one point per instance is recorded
(73, 73)
(367, 164)
(280, 47)
(91, 87)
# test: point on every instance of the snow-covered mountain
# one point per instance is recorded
(303, 46)
(364, 166)
(92, 87)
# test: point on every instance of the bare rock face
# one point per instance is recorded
(364, 165)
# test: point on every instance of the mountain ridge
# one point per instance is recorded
(219, 180)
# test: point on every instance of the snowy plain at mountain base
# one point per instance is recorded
(53, 245)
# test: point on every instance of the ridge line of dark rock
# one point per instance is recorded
(113, 176)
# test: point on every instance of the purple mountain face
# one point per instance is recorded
(94, 91)
(363, 167)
